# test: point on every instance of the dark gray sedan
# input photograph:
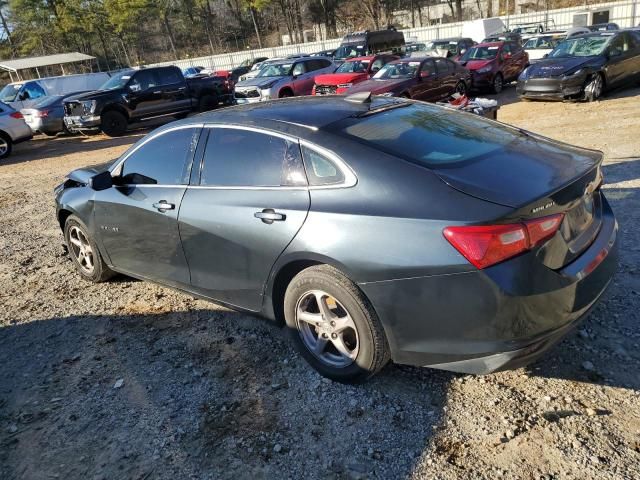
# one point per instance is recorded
(46, 116)
(375, 229)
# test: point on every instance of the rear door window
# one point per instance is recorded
(169, 76)
(244, 158)
(163, 160)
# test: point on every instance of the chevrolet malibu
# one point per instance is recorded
(376, 228)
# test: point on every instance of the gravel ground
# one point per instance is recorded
(128, 380)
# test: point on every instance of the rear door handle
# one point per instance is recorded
(269, 215)
(163, 206)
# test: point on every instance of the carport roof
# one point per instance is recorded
(34, 62)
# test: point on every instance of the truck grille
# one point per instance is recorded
(326, 89)
(248, 93)
(73, 109)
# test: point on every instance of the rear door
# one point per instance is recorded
(137, 218)
(174, 90)
(446, 78)
(248, 204)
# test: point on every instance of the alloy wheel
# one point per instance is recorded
(327, 329)
(497, 83)
(4, 146)
(461, 88)
(81, 249)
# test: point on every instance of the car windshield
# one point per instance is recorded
(480, 53)
(398, 70)
(276, 70)
(527, 29)
(452, 47)
(350, 51)
(581, 47)
(357, 66)
(428, 135)
(119, 80)
(416, 47)
(9, 92)
(540, 42)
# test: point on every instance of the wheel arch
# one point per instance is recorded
(286, 88)
(282, 274)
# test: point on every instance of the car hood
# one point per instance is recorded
(555, 67)
(377, 86)
(476, 64)
(339, 78)
(93, 95)
(258, 81)
(526, 168)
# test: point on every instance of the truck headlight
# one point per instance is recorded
(88, 107)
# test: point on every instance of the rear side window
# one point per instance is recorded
(163, 160)
(321, 170)
(243, 158)
(428, 135)
(170, 76)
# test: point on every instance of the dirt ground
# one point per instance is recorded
(128, 380)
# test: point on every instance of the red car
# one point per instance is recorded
(429, 79)
(352, 71)
(495, 63)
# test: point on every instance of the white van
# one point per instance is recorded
(480, 29)
(24, 94)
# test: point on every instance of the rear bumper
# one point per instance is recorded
(495, 319)
(557, 88)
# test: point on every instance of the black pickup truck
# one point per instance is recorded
(136, 95)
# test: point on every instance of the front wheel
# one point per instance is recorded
(461, 88)
(113, 124)
(498, 83)
(84, 252)
(333, 325)
(594, 87)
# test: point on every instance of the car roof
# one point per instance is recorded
(491, 44)
(299, 116)
(357, 59)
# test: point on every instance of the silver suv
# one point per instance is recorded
(284, 78)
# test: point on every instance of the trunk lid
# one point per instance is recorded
(538, 178)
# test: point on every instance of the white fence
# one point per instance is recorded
(624, 13)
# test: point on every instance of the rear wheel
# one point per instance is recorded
(113, 124)
(461, 88)
(208, 102)
(333, 325)
(84, 252)
(286, 93)
(5, 145)
(498, 83)
(593, 88)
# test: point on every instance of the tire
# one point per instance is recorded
(50, 134)
(594, 87)
(355, 325)
(6, 145)
(84, 252)
(286, 93)
(208, 102)
(113, 123)
(461, 88)
(498, 83)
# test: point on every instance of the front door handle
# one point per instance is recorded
(157, 92)
(269, 215)
(163, 206)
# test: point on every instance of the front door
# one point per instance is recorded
(251, 200)
(144, 94)
(302, 78)
(427, 84)
(136, 219)
(175, 95)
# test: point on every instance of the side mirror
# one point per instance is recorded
(295, 76)
(463, 51)
(425, 74)
(134, 87)
(23, 95)
(101, 181)
(615, 52)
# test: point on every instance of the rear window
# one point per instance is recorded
(428, 135)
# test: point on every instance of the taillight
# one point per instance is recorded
(16, 115)
(486, 245)
(42, 113)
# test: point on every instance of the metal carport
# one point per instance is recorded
(14, 66)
